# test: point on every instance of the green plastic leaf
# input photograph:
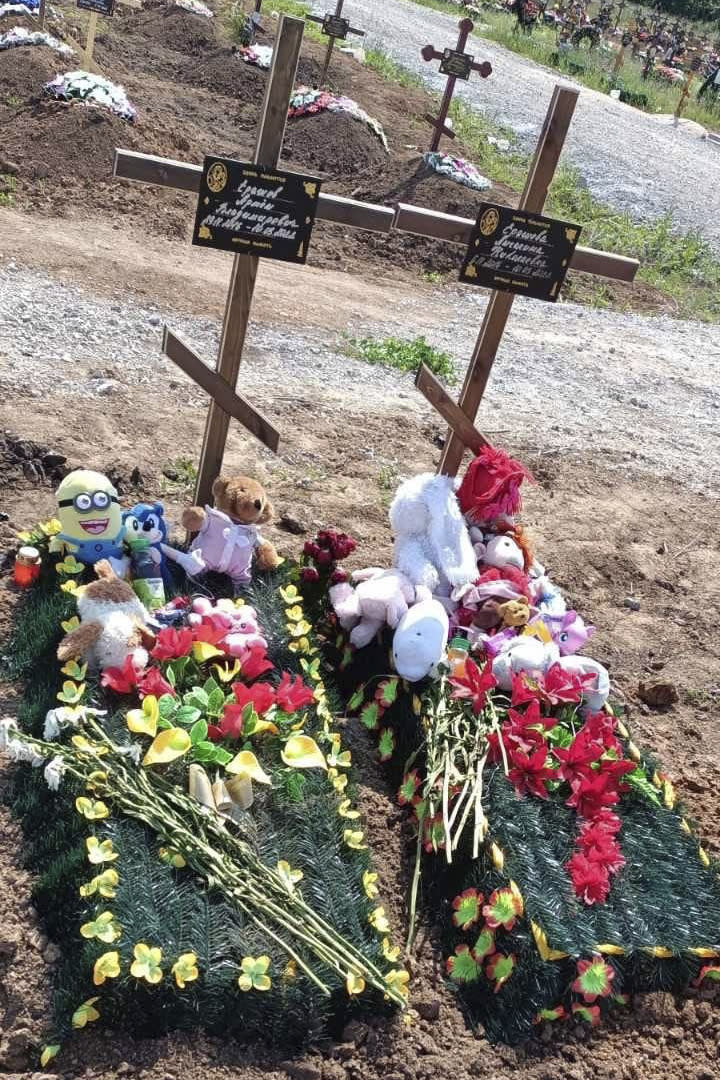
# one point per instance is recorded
(197, 698)
(370, 715)
(640, 784)
(484, 943)
(210, 685)
(499, 968)
(356, 699)
(387, 691)
(386, 744)
(216, 702)
(198, 732)
(502, 909)
(560, 736)
(466, 908)
(187, 715)
(463, 967)
(167, 705)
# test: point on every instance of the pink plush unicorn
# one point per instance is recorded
(240, 623)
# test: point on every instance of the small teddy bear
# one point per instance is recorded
(228, 534)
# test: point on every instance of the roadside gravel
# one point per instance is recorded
(630, 160)
(639, 390)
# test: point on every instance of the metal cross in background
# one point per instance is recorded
(456, 64)
(335, 27)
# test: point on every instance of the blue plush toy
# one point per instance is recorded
(146, 522)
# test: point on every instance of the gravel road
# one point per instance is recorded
(629, 159)
(639, 390)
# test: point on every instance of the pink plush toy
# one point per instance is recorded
(240, 623)
(569, 631)
(381, 598)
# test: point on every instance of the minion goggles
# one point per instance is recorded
(99, 500)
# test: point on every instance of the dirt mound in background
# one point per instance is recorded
(223, 72)
(333, 144)
(24, 71)
(172, 27)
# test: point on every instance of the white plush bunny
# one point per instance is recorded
(432, 544)
(420, 641)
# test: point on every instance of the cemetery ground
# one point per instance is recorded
(190, 92)
(616, 414)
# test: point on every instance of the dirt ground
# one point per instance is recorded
(192, 96)
(605, 537)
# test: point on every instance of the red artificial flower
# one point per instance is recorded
(604, 819)
(151, 681)
(209, 631)
(293, 694)
(309, 574)
(525, 687)
(575, 761)
(592, 793)
(591, 880)
(254, 662)
(530, 771)
(474, 684)
(601, 727)
(170, 644)
(261, 696)
(122, 680)
(594, 979)
(338, 577)
(561, 687)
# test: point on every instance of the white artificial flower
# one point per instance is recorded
(54, 772)
(133, 751)
(7, 724)
(67, 716)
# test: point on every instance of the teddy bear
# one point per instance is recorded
(113, 624)
(432, 543)
(228, 533)
(240, 623)
(381, 597)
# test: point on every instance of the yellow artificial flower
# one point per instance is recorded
(302, 752)
(104, 928)
(86, 747)
(353, 838)
(69, 565)
(185, 969)
(100, 851)
(96, 779)
(300, 629)
(74, 670)
(290, 594)
(103, 884)
(51, 527)
(203, 650)
(369, 879)
(295, 613)
(106, 966)
(70, 586)
(378, 919)
(144, 721)
(146, 964)
(338, 780)
(398, 980)
(227, 674)
(172, 857)
(48, 1053)
(289, 876)
(92, 809)
(70, 624)
(390, 952)
(354, 983)
(345, 810)
(167, 746)
(71, 692)
(85, 1013)
(300, 646)
(255, 973)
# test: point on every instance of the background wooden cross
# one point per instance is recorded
(456, 64)
(336, 28)
(461, 416)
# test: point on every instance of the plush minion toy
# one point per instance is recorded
(90, 516)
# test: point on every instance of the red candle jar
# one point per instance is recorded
(27, 566)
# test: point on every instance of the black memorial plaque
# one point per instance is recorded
(458, 64)
(250, 210)
(516, 252)
(335, 26)
(102, 7)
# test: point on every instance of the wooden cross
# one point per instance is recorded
(461, 415)
(336, 28)
(456, 64)
(98, 7)
(130, 165)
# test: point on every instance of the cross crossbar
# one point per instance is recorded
(433, 390)
(148, 169)
(219, 390)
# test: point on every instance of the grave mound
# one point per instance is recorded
(335, 145)
(24, 71)
(173, 27)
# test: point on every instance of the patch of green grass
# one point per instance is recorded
(12, 100)
(282, 7)
(403, 355)
(8, 188)
(682, 265)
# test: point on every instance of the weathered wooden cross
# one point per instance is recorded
(336, 28)
(461, 415)
(456, 64)
(98, 7)
(220, 384)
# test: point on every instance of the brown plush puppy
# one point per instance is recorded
(245, 502)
